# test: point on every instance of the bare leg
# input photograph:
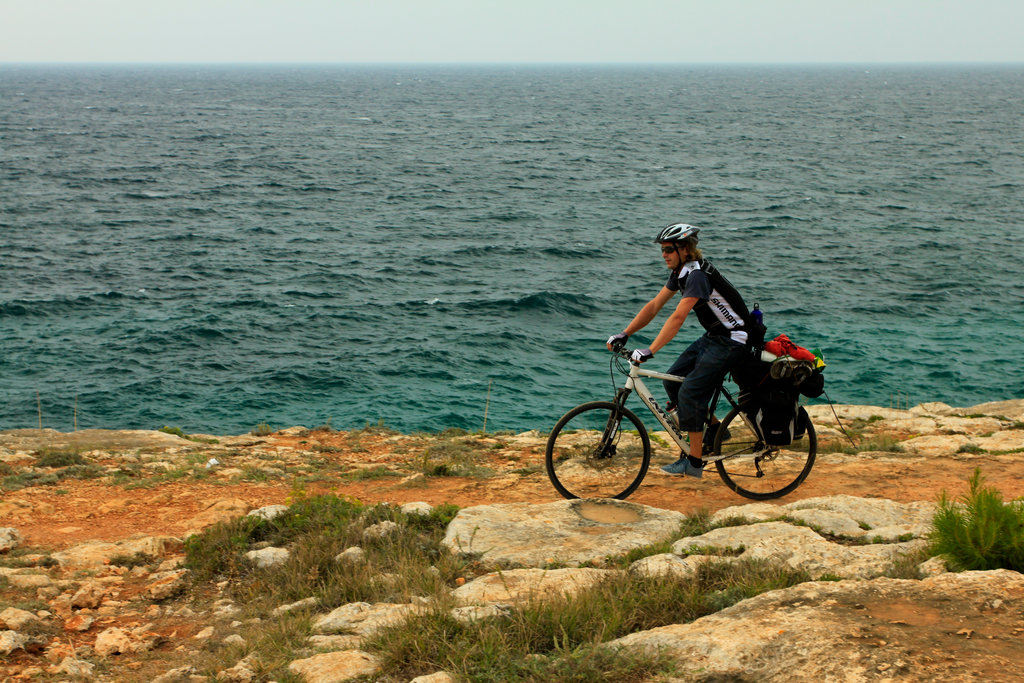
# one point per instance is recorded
(696, 445)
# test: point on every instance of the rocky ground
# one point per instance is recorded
(74, 506)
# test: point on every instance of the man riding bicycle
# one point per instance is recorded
(727, 322)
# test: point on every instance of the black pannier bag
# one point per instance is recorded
(813, 386)
(775, 410)
(776, 416)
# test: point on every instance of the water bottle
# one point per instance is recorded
(757, 315)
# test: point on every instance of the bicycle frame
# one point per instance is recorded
(634, 383)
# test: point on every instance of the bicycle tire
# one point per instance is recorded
(775, 473)
(581, 463)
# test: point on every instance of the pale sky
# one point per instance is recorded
(517, 31)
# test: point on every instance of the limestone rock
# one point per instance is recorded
(670, 564)
(167, 584)
(1013, 410)
(335, 667)
(1008, 440)
(75, 668)
(10, 538)
(351, 556)
(79, 623)
(16, 619)
(799, 548)
(268, 557)
(571, 531)
(179, 675)
(417, 508)
(933, 566)
(308, 603)
(380, 530)
(11, 641)
(269, 512)
(936, 444)
(90, 439)
(439, 677)
(335, 643)
(89, 595)
(843, 515)
(223, 510)
(362, 618)
(471, 613)
(520, 585)
(854, 631)
(99, 553)
(242, 672)
(29, 580)
(113, 641)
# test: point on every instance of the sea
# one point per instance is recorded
(427, 247)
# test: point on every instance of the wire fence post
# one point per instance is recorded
(487, 403)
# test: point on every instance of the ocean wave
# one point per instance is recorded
(571, 251)
(57, 306)
(575, 305)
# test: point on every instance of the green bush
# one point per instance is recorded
(262, 429)
(980, 532)
(59, 458)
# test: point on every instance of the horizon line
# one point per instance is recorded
(513, 63)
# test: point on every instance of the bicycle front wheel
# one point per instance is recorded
(598, 450)
(759, 472)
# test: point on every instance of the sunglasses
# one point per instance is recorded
(667, 249)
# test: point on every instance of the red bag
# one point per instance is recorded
(782, 346)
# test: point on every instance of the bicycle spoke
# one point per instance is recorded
(765, 473)
(590, 457)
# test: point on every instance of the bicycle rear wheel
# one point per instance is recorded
(598, 450)
(759, 472)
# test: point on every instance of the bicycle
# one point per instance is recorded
(601, 449)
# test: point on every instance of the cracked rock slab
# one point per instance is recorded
(570, 532)
(800, 548)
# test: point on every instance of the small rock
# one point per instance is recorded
(234, 639)
(79, 623)
(672, 565)
(112, 641)
(269, 512)
(167, 585)
(242, 672)
(268, 557)
(933, 566)
(179, 675)
(11, 641)
(439, 677)
(333, 667)
(16, 619)
(380, 530)
(301, 604)
(204, 634)
(363, 618)
(521, 585)
(29, 580)
(10, 538)
(90, 595)
(471, 613)
(76, 668)
(351, 556)
(417, 508)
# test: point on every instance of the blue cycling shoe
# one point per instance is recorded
(683, 466)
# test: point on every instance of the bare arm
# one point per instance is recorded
(674, 322)
(648, 312)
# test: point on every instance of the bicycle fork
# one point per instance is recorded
(611, 428)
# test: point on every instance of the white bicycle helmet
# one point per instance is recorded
(677, 232)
